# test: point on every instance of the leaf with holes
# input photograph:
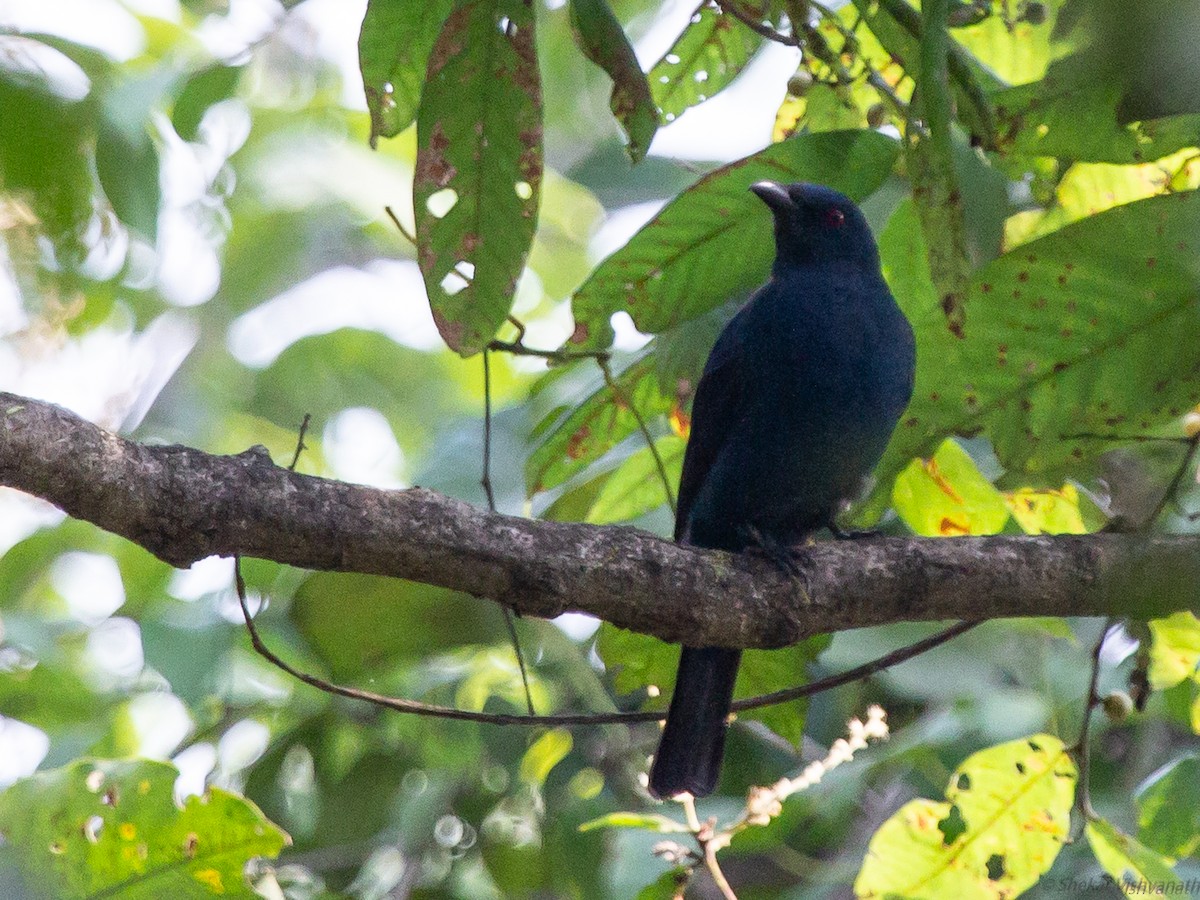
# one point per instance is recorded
(1137, 869)
(603, 41)
(1088, 332)
(601, 422)
(479, 167)
(711, 52)
(1006, 815)
(393, 49)
(112, 828)
(714, 241)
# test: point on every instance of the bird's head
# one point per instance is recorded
(815, 223)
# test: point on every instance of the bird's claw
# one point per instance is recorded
(779, 553)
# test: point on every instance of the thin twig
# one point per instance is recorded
(873, 76)
(714, 869)
(486, 481)
(730, 7)
(300, 447)
(1173, 486)
(404, 232)
(561, 355)
(1082, 747)
(520, 326)
(858, 673)
(606, 369)
(415, 707)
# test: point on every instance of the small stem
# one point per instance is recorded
(866, 670)
(642, 427)
(486, 481)
(517, 348)
(1173, 487)
(1082, 747)
(714, 869)
(300, 447)
(404, 232)
(731, 8)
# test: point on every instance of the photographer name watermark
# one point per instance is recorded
(1131, 887)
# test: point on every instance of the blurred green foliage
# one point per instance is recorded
(197, 249)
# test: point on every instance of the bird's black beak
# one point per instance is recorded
(774, 195)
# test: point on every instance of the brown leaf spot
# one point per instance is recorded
(576, 446)
(432, 165)
(952, 526)
(1022, 276)
(580, 334)
(452, 332)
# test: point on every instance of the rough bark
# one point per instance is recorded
(182, 505)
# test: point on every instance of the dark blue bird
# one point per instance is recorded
(798, 400)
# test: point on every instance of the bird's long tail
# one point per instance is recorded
(693, 741)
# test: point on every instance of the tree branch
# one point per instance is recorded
(183, 505)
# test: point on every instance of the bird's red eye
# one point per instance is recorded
(834, 217)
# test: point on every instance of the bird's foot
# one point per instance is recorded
(779, 553)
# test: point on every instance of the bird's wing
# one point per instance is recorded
(714, 410)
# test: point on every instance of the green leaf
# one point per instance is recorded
(667, 886)
(1175, 649)
(544, 754)
(1011, 808)
(709, 54)
(362, 623)
(393, 49)
(1053, 511)
(764, 671)
(645, 821)
(126, 155)
(599, 423)
(1073, 113)
(714, 241)
(479, 167)
(202, 90)
(43, 139)
(1169, 809)
(1088, 332)
(1137, 869)
(642, 661)
(947, 495)
(112, 828)
(603, 41)
(898, 27)
(636, 487)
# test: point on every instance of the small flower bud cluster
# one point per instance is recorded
(764, 803)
